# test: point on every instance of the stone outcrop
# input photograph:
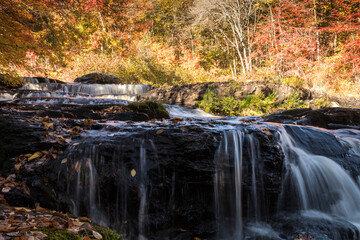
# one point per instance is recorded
(98, 78)
(330, 118)
(189, 95)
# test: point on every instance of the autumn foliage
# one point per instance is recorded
(314, 41)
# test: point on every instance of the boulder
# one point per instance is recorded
(98, 78)
(330, 118)
(188, 95)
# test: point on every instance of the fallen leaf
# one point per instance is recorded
(25, 189)
(6, 189)
(96, 235)
(181, 230)
(7, 228)
(48, 125)
(17, 166)
(133, 172)
(35, 155)
(84, 219)
(64, 161)
(160, 131)
(77, 166)
(40, 209)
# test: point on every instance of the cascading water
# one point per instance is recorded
(228, 199)
(205, 178)
(92, 89)
(51, 92)
(142, 193)
(320, 183)
(314, 186)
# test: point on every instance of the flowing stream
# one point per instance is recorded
(206, 177)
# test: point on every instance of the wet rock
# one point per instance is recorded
(96, 78)
(16, 137)
(318, 226)
(178, 178)
(331, 118)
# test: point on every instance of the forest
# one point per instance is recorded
(312, 43)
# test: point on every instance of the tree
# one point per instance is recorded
(18, 22)
(235, 20)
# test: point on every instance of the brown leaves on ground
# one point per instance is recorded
(37, 158)
(8, 184)
(23, 223)
(111, 110)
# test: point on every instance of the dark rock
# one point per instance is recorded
(186, 95)
(98, 78)
(298, 226)
(331, 118)
(16, 137)
(135, 111)
(179, 178)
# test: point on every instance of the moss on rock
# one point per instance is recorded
(58, 234)
(151, 108)
(107, 233)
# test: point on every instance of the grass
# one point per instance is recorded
(257, 104)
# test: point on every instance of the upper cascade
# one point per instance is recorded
(92, 89)
(51, 91)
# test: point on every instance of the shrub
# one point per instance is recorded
(257, 104)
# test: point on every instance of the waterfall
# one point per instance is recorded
(230, 223)
(92, 89)
(51, 92)
(177, 111)
(320, 183)
(85, 187)
(143, 193)
(6, 96)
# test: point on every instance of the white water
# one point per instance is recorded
(72, 93)
(6, 97)
(177, 111)
(142, 193)
(230, 224)
(321, 184)
(92, 89)
(69, 100)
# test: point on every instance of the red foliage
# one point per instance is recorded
(296, 35)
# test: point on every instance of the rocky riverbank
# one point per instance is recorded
(145, 175)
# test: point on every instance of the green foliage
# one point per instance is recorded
(257, 104)
(293, 81)
(252, 105)
(293, 101)
(107, 233)
(151, 108)
(321, 102)
(58, 234)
